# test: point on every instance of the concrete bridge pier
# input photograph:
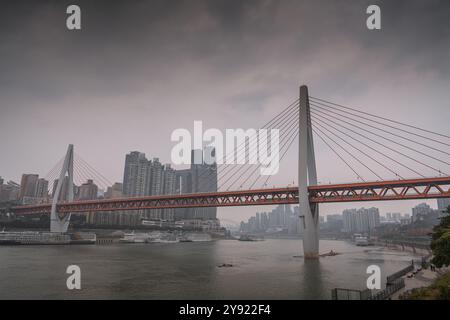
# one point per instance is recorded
(307, 176)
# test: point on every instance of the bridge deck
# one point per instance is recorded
(427, 188)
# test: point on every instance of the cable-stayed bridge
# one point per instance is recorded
(380, 152)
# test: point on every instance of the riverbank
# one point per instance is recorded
(426, 285)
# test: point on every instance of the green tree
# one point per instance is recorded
(440, 243)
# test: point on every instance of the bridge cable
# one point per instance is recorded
(274, 120)
(230, 168)
(92, 171)
(322, 116)
(293, 138)
(284, 115)
(291, 122)
(287, 124)
(85, 175)
(348, 152)
(237, 169)
(362, 152)
(327, 111)
(384, 124)
(375, 134)
(289, 136)
(358, 176)
(56, 169)
(280, 122)
(377, 151)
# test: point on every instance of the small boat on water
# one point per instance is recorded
(246, 237)
(225, 265)
(329, 254)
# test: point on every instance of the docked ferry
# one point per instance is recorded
(45, 238)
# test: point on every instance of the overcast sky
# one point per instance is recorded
(140, 69)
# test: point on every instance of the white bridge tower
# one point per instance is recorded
(58, 223)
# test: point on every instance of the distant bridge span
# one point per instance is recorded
(427, 188)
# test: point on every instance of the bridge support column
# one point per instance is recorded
(307, 175)
(58, 224)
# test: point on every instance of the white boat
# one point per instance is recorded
(45, 238)
(198, 237)
(134, 237)
(361, 241)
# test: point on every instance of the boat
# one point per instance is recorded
(246, 237)
(225, 265)
(45, 238)
(134, 238)
(329, 254)
(198, 236)
(361, 241)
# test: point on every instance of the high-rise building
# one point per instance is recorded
(33, 190)
(156, 179)
(204, 179)
(28, 185)
(360, 220)
(136, 175)
(150, 178)
(115, 191)
(169, 187)
(88, 191)
(9, 191)
(183, 186)
(155, 187)
(420, 211)
(349, 218)
(41, 188)
(169, 178)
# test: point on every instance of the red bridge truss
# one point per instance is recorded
(428, 188)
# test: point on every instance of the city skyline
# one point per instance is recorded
(165, 65)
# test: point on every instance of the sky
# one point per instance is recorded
(137, 70)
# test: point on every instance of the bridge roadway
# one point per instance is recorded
(427, 188)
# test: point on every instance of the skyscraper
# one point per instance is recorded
(361, 220)
(136, 175)
(204, 179)
(28, 185)
(9, 191)
(156, 178)
(41, 188)
(115, 191)
(88, 191)
(183, 185)
(143, 177)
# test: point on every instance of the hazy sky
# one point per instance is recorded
(140, 69)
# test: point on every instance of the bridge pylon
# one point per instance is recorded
(307, 176)
(57, 223)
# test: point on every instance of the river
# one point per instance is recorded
(270, 269)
